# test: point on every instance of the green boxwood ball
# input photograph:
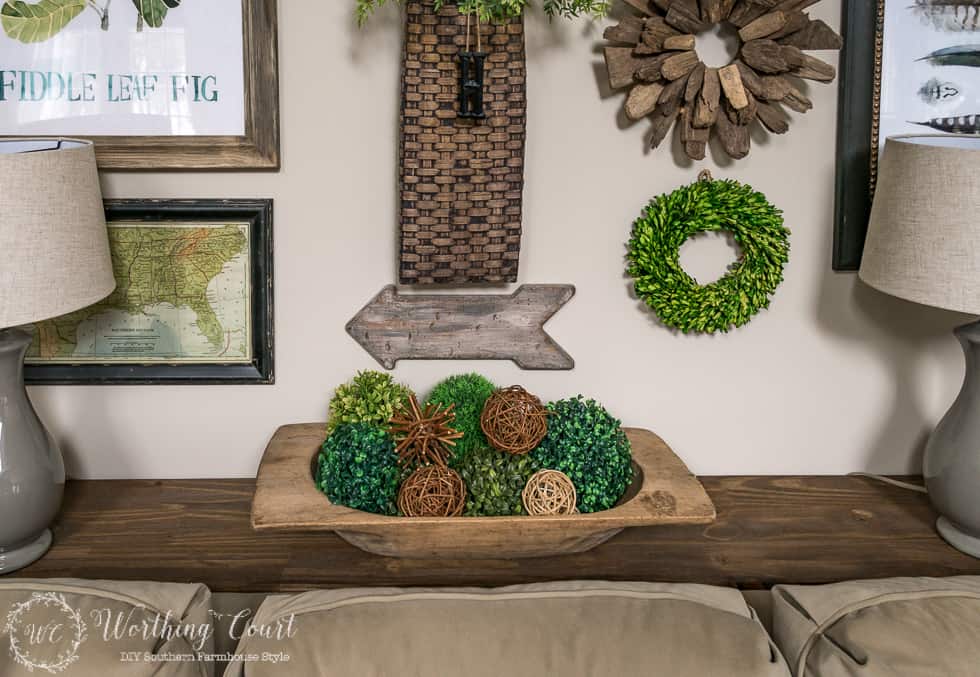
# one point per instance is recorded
(494, 482)
(469, 392)
(358, 468)
(370, 397)
(588, 444)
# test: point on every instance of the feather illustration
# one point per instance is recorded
(961, 55)
(964, 124)
(950, 15)
(935, 91)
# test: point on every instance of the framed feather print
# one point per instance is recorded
(157, 84)
(908, 67)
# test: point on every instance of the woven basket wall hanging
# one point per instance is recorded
(463, 125)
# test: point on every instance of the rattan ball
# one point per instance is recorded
(550, 492)
(432, 491)
(514, 420)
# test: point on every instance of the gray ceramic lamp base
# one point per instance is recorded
(960, 540)
(952, 459)
(32, 474)
(17, 558)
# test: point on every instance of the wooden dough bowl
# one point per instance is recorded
(286, 498)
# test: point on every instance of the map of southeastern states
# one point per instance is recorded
(154, 266)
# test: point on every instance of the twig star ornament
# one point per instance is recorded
(424, 434)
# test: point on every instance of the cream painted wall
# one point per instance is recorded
(834, 378)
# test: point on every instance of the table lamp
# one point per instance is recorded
(54, 259)
(924, 246)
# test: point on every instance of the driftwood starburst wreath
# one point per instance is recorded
(654, 56)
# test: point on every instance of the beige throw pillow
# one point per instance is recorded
(104, 629)
(902, 627)
(567, 629)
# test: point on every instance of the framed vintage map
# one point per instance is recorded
(908, 67)
(193, 301)
(157, 84)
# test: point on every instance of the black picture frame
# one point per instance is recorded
(259, 215)
(857, 132)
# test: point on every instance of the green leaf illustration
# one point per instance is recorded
(153, 12)
(40, 21)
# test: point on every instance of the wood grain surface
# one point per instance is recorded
(394, 326)
(769, 530)
(664, 492)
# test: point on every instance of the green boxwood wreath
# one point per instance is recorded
(708, 206)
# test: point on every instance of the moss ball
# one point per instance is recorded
(588, 444)
(358, 468)
(370, 397)
(494, 482)
(469, 392)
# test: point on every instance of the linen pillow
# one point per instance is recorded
(569, 629)
(104, 629)
(900, 627)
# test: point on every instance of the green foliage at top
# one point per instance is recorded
(494, 481)
(32, 22)
(153, 12)
(370, 397)
(358, 467)
(588, 444)
(501, 10)
(469, 392)
(39, 21)
(708, 206)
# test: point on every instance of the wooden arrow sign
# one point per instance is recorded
(397, 326)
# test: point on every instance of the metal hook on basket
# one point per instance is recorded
(472, 73)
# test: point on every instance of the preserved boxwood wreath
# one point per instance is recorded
(708, 206)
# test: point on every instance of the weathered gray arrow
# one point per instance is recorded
(397, 326)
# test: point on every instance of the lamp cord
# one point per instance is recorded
(889, 480)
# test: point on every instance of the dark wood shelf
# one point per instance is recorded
(769, 530)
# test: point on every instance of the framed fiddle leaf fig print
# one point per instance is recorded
(192, 304)
(908, 67)
(158, 84)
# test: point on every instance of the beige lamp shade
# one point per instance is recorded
(54, 248)
(924, 236)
